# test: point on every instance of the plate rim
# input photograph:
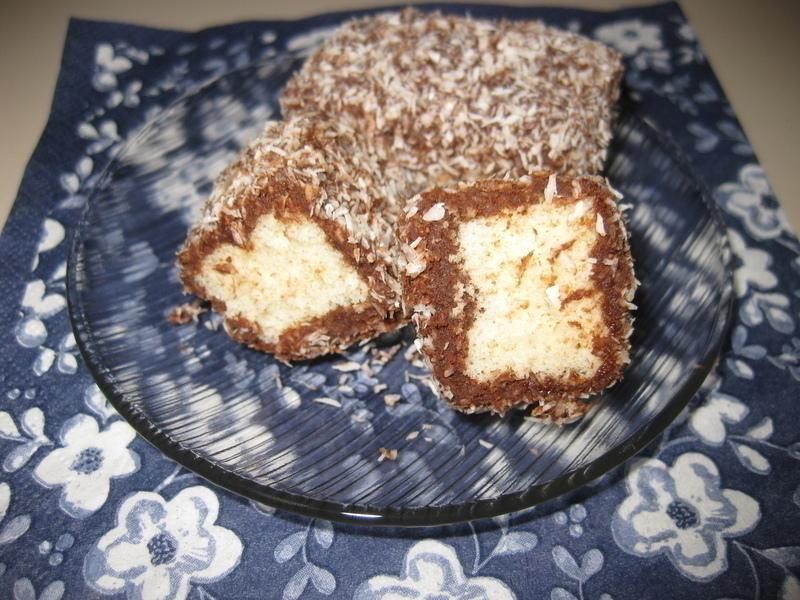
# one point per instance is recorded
(363, 514)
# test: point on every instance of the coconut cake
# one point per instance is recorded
(454, 98)
(521, 291)
(296, 245)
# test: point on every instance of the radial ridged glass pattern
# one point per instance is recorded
(308, 438)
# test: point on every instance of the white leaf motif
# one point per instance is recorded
(19, 456)
(289, 546)
(23, 589)
(289, 397)
(15, 529)
(32, 422)
(323, 533)
(591, 563)
(45, 306)
(5, 499)
(708, 421)
(52, 235)
(54, 591)
(516, 542)
(105, 57)
(8, 429)
(762, 431)
(751, 459)
(297, 584)
(566, 562)
(43, 362)
(87, 131)
(67, 364)
(790, 590)
(323, 580)
(84, 167)
(740, 368)
(560, 593)
(70, 182)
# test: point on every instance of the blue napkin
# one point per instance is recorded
(711, 510)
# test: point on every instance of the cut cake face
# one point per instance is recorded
(296, 246)
(521, 292)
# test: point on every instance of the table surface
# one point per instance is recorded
(752, 46)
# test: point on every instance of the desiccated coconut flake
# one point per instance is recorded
(434, 213)
(386, 454)
(580, 209)
(415, 268)
(551, 189)
(599, 225)
(486, 444)
(616, 193)
(412, 435)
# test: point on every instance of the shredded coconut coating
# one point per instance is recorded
(320, 171)
(456, 99)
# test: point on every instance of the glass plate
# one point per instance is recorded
(257, 427)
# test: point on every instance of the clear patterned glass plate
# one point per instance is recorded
(252, 425)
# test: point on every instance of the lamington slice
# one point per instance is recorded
(521, 292)
(296, 247)
(455, 99)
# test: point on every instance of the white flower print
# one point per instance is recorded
(108, 64)
(708, 421)
(747, 199)
(754, 271)
(772, 307)
(86, 463)
(658, 60)
(37, 305)
(159, 547)
(789, 358)
(129, 98)
(431, 569)
(629, 37)
(741, 350)
(102, 137)
(683, 512)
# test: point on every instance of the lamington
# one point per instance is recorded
(455, 99)
(296, 245)
(521, 291)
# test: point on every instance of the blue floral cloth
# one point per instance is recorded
(88, 510)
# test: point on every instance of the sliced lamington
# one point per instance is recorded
(456, 99)
(295, 247)
(521, 292)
